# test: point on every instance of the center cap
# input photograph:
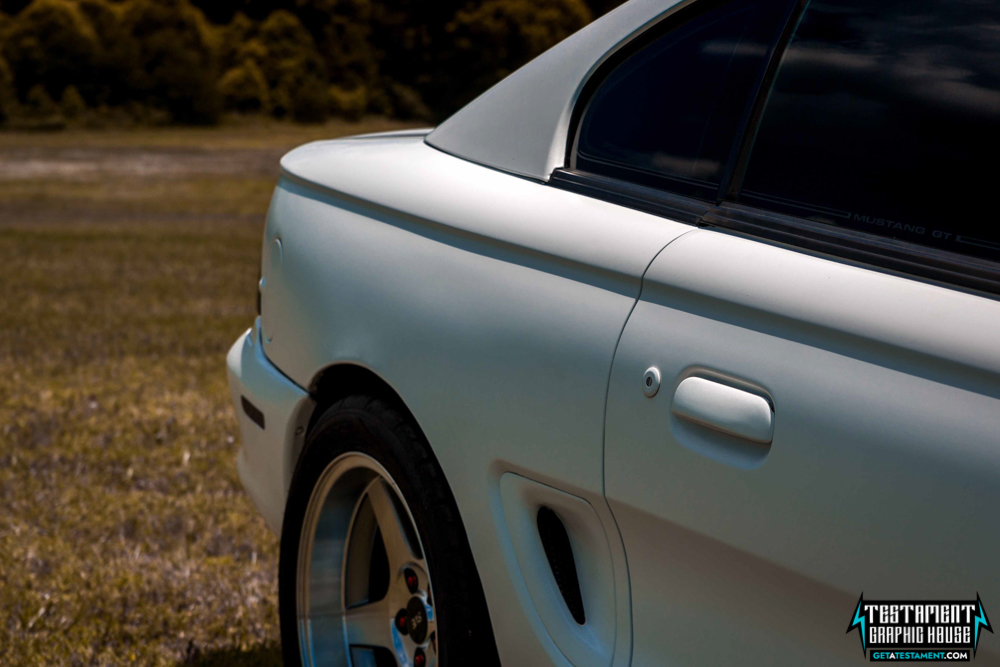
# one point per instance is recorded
(416, 619)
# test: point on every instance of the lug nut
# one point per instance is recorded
(419, 659)
(401, 622)
(411, 580)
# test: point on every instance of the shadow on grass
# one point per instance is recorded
(264, 655)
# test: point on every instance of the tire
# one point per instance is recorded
(373, 551)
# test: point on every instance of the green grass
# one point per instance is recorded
(125, 536)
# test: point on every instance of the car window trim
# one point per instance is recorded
(732, 178)
(878, 251)
(632, 195)
(740, 150)
(893, 254)
(682, 14)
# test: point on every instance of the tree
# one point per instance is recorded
(176, 59)
(114, 58)
(349, 104)
(310, 101)
(601, 7)
(496, 37)
(412, 42)
(233, 38)
(14, 6)
(342, 32)
(50, 44)
(244, 89)
(40, 103)
(72, 104)
(8, 98)
(295, 72)
(298, 58)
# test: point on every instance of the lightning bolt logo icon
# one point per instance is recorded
(859, 623)
(980, 623)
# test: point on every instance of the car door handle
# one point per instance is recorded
(724, 408)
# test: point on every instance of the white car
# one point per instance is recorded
(661, 351)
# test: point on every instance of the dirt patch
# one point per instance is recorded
(95, 163)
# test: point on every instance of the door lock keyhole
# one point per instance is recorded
(651, 381)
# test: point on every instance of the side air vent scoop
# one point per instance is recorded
(558, 550)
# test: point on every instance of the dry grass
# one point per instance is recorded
(124, 534)
(255, 133)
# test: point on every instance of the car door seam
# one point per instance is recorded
(607, 389)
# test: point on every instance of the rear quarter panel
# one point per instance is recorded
(491, 303)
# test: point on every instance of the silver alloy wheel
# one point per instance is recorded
(363, 590)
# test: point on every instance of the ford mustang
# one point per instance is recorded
(661, 351)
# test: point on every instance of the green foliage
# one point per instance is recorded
(415, 50)
(349, 104)
(72, 105)
(293, 67)
(8, 98)
(39, 102)
(234, 39)
(342, 30)
(406, 102)
(310, 101)
(497, 36)
(50, 44)
(302, 59)
(602, 7)
(114, 58)
(244, 89)
(176, 59)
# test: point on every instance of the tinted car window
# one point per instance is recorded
(885, 117)
(668, 114)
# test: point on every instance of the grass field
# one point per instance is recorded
(128, 263)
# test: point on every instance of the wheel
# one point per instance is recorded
(375, 567)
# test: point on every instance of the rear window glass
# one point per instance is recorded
(668, 115)
(885, 117)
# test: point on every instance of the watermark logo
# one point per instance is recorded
(942, 630)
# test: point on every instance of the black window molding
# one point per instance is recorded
(625, 193)
(736, 169)
(734, 110)
(878, 251)
(892, 254)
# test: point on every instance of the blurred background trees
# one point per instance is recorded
(189, 61)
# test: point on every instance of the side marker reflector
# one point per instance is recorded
(252, 411)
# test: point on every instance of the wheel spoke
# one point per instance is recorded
(369, 625)
(397, 547)
(353, 504)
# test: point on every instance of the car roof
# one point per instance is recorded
(521, 125)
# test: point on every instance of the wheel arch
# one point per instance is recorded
(343, 379)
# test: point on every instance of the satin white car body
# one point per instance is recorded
(517, 321)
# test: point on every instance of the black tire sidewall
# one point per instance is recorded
(376, 428)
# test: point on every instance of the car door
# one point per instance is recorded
(873, 469)
(804, 404)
